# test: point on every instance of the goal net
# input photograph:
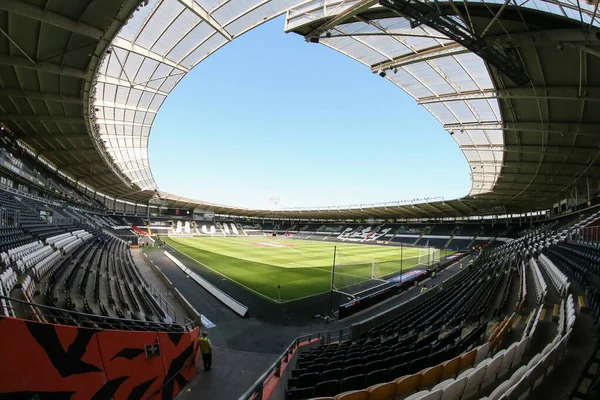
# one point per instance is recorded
(352, 277)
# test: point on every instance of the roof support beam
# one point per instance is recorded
(49, 17)
(121, 82)
(22, 62)
(59, 137)
(73, 151)
(340, 18)
(41, 96)
(431, 53)
(53, 118)
(550, 93)
(547, 38)
(132, 47)
(206, 17)
(87, 164)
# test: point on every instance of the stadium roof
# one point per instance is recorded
(85, 97)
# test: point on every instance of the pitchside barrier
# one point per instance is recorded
(224, 298)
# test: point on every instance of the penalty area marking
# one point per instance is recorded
(225, 276)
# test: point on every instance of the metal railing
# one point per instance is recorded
(42, 313)
(255, 391)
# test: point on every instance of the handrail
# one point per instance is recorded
(255, 391)
(93, 317)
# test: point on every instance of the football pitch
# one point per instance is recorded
(301, 267)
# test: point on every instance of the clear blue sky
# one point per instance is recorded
(272, 114)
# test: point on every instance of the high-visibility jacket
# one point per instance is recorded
(204, 344)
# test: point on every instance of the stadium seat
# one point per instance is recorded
(353, 395)
(455, 389)
(335, 365)
(327, 388)
(482, 352)
(475, 377)
(499, 391)
(443, 384)
(450, 368)
(431, 376)
(308, 380)
(418, 396)
(377, 377)
(332, 374)
(493, 368)
(383, 391)
(407, 384)
(356, 382)
(522, 346)
(299, 394)
(354, 370)
(507, 362)
(375, 365)
(399, 370)
(467, 360)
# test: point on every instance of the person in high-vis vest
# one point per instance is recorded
(206, 350)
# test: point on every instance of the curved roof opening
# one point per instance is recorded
(270, 113)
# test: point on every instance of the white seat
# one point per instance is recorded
(465, 373)
(418, 396)
(482, 353)
(518, 375)
(499, 391)
(546, 349)
(475, 378)
(509, 357)
(443, 384)
(455, 389)
(433, 395)
(492, 371)
(534, 360)
(521, 347)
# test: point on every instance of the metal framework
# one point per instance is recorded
(133, 67)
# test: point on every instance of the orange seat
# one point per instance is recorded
(467, 360)
(450, 368)
(382, 391)
(407, 384)
(431, 376)
(353, 395)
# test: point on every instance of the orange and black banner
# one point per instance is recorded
(46, 361)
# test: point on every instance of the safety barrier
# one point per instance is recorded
(224, 298)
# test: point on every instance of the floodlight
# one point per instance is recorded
(313, 39)
(395, 70)
(382, 74)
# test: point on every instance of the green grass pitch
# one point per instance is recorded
(301, 267)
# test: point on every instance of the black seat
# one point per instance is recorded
(386, 354)
(316, 368)
(375, 365)
(376, 377)
(371, 358)
(327, 388)
(393, 361)
(418, 365)
(354, 370)
(299, 394)
(399, 370)
(308, 380)
(332, 374)
(355, 382)
(354, 361)
(335, 365)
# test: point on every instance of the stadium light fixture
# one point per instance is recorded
(382, 74)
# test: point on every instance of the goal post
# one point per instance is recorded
(351, 276)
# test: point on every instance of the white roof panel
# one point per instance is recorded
(166, 38)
